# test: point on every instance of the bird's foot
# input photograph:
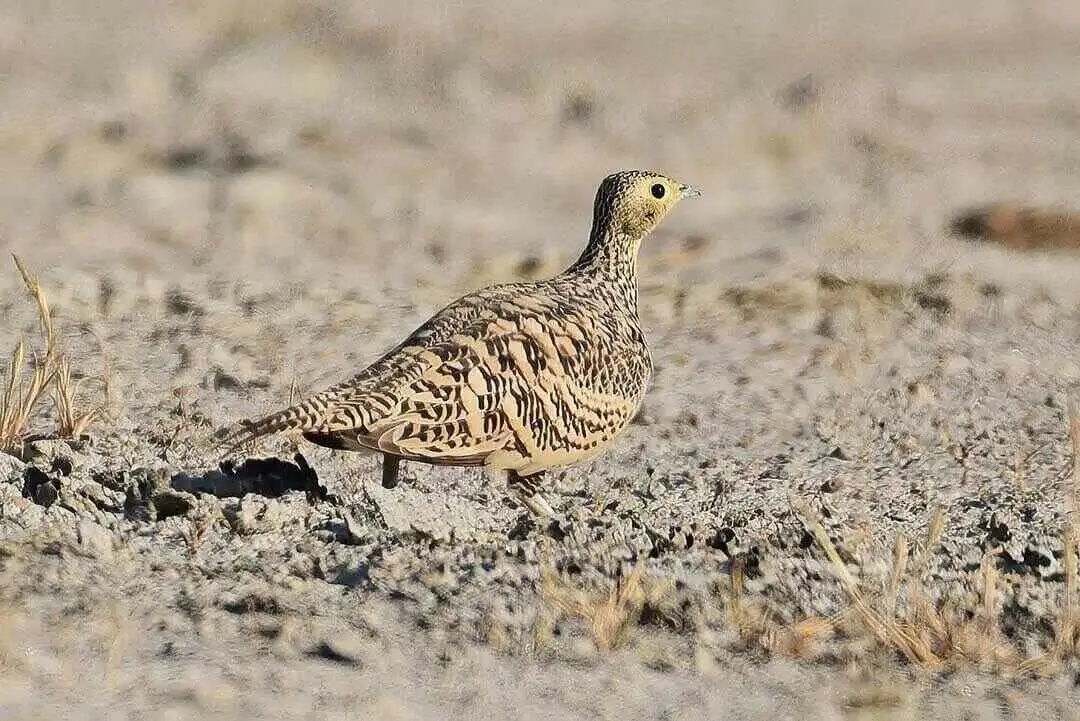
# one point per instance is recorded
(527, 491)
(391, 467)
(538, 505)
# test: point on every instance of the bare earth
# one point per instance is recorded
(232, 202)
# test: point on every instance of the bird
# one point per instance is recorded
(518, 378)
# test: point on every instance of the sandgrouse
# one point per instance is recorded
(518, 377)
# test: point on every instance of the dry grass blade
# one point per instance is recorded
(932, 635)
(70, 421)
(752, 624)
(990, 646)
(19, 397)
(933, 536)
(44, 314)
(899, 568)
(841, 569)
(758, 627)
(1068, 638)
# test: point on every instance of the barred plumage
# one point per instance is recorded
(520, 377)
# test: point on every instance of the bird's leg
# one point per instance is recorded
(527, 489)
(390, 466)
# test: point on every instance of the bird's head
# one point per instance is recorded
(633, 202)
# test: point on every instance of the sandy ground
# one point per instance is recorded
(232, 202)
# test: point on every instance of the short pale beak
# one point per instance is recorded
(689, 191)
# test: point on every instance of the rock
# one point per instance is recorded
(10, 493)
(270, 477)
(244, 516)
(110, 479)
(214, 482)
(580, 650)
(273, 516)
(77, 503)
(168, 502)
(343, 647)
(142, 482)
(52, 453)
(260, 599)
(12, 502)
(354, 532)
(95, 539)
(11, 467)
(352, 577)
(31, 515)
(141, 485)
(39, 487)
(103, 498)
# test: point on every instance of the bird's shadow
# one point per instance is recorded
(269, 477)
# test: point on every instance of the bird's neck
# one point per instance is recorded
(611, 258)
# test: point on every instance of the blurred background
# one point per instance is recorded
(278, 175)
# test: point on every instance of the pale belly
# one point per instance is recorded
(558, 439)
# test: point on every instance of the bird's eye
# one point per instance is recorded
(658, 191)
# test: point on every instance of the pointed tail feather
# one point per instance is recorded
(302, 416)
(247, 431)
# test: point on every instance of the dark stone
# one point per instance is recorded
(39, 487)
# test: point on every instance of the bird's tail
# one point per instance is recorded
(305, 416)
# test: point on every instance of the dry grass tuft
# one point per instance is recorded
(759, 628)
(947, 635)
(609, 615)
(19, 396)
(935, 636)
(24, 387)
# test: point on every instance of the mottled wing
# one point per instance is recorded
(522, 377)
(533, 383)
(357, 403)
(440, 406)
(458, 400)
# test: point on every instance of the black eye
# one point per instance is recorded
(658, 191)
